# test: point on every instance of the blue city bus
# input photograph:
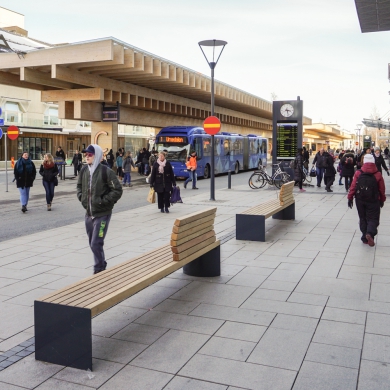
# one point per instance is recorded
(233, 152)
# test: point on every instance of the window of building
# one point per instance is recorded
(51, 117)
(36, 147)
(12, 113)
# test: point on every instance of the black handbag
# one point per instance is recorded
(313, 172)
(55, 181)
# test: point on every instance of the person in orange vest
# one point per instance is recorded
(191, 167)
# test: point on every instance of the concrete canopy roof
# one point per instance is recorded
(374, 15)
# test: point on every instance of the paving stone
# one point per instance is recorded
(139, 378)
(235, 373)
(274, 295)
(254, 317)
(246, 279)
(278, 285)
(281, 348)
(359, 304)
(6, 363)
(3, 358)
(380, 292)
(374, 375)
(332, 354)
(286, 275)
(171, 351)
(139, 333)
(7, 386)
(24, 353)
(239, 331)
(56, 384)
(376, 347)
(18, 318)
(31, 348)
(180, 383)
(378, 324)
(339, 333)
(325, 377)
(308, 299)
(102, 370)
(14, 358)
(301, 324)
(342, 315)
(17, 349)
(218, 294)
(176, 306)
(8, 353)
(28, 372)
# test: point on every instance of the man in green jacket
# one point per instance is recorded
(98, 189)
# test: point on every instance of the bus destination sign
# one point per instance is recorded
(286, 140)
(173, 139)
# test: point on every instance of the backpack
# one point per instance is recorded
(367, 188)
(349, 161)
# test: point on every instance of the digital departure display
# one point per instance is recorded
(286, 140)
(173, 139)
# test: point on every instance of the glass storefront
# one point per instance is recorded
(36, 147)
(137, 137)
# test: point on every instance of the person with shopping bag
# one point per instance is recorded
(162, 180)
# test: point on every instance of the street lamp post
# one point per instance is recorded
(359, 126)
(212, 44)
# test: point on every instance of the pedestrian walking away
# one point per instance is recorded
(77, 161)
(348, 163)
(191, 168)
(49, 172)
(298, 169)
(368, 189)
(380, 161)
(24, 172)
(320, 162)
(98, 189)
(162, 180)
(119, 165)
(110, 159)
(330, 171)
(127, 164)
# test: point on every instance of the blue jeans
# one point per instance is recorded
(24, 195)
(320, 174)
(146, 168)
(49, 188)
(126, 178)
(191, 177)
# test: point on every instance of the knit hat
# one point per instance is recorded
(369, 158)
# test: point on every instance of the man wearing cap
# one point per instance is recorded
(368, 188)
(98, 189)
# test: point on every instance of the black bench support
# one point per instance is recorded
(286, 214)
(250, 227)
(207, 265)
(63, 335)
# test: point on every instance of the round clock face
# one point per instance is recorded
(287, 110)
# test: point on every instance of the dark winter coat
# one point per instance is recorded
(24, 179)
(330, 170)
(319, 160)
(368, 168)
(110, 158)
(380, 163)
(60, 153)
(162, 182)
(48, 174)
(77, 159)
(298, 170)
(348, 170)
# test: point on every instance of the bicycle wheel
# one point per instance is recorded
(256, 181)
(307, 178)
(280, 179)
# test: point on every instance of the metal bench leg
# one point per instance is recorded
(207, 265)
(287, 213)
(250, 227)
(63, 335)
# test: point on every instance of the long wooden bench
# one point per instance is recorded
(250, 224)
(63, 318)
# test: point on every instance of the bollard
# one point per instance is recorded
(229, 179)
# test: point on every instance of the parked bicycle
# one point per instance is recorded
(260, 178)
(306, 175)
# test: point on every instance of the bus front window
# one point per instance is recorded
(176, 152)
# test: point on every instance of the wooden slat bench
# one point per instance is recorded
(250, 224)
(63, 318)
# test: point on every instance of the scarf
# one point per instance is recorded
(161, 165)
(24, 164)
(48, 165)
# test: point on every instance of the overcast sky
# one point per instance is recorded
(310, 48)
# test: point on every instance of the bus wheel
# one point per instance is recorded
(236, 168)
(206, 173)
(260, 164)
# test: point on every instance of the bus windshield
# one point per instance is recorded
(176, 152)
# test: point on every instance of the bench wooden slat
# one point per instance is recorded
(191, 236)
(276, 210)
(194, 249)
(287, 199)
(129, 290)
(269, 203)
(194, 216)
(194, 241)
(189, 226)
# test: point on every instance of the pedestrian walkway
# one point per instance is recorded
(307, 309)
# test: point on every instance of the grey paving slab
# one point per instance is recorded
(378, 324)
(281, 348)
(240, 374)
(51, 384)
(374, 375)
(339, 333)
(380, 292)
(247, 279)
(13, 341)
(344, 274)
(376, 347)
(228, 348)
(342, 315)
(359, 304)
(176, 321)
(239, 331)
(18, 288)
(256, 270)
(332, 354)
(278, 285)
(172, 283)
(102, 370)
(180, 383)
(214, 293)
(137, 378)
(325, 377)
(139, 333)
(113, 320)
(176, 306)
(286, 275)
(18, 318)
(274, 295)
(171, 351)
(254, 317)
(7, 386)
(308, 299)
(300, 324)
(27, 299)
(28, 372)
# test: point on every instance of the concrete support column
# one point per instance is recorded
(105, 134)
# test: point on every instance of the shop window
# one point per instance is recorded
(36, 147)
(12, 113)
